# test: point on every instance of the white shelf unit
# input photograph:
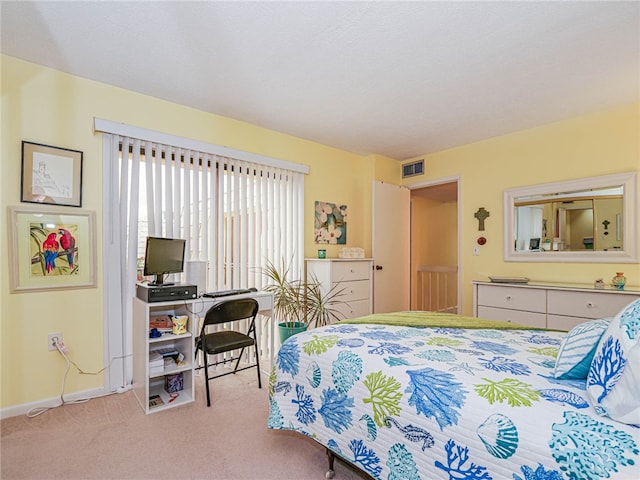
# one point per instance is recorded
(353, 276)
(146, 384)
(555, 306)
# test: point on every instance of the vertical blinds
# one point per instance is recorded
(234, 214)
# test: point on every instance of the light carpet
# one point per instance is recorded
(112, 438)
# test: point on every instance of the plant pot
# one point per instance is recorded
(286, 329)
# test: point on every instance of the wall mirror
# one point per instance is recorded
(585, 220)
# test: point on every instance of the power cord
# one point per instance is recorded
(199, 305)
(62, 349)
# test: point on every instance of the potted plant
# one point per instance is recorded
(297, 304)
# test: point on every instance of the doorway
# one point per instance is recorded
(435, 251)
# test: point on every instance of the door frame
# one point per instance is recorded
(458, 181)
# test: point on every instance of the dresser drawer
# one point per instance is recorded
(355, 290)
(355, 309)
(531, 319)
(514, 298)
(353, 278)
(586, 304)
(346, 271)
(561, 322)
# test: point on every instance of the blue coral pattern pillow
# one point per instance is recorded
(613, 383)
(578, 348)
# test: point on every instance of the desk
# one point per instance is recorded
(147, 382)
(265, 302)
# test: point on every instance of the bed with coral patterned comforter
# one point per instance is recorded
(401, 400)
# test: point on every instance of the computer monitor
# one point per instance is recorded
(163, 256)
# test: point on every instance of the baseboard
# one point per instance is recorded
(50, 402)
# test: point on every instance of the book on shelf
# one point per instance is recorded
(155, 357)
(155, 401)
(167, 352)
(156, 363)
(162, 323)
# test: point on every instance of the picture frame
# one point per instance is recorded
(330, 223)
(51, 175)
(51, 248)
(534, 244)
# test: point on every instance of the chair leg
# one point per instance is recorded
(258, 366)
(257, 350)
(206, 377)
(235, 369)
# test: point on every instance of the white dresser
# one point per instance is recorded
(547, 305)
(353, 276)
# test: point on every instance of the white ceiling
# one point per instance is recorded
(401, 79)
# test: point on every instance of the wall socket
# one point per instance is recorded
(51, 336)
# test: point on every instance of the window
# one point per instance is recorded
(235, 213)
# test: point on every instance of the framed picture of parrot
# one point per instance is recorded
(52, 248)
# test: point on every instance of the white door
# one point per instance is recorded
(391, 244)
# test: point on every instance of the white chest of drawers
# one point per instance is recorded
(353, 276)
(555, 306)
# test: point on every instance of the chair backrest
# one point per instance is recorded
(230, 311)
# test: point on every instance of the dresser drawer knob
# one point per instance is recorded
(509, 297)
(590, 305)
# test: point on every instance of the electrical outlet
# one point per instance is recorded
(58, 337)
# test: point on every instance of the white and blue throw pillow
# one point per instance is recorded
(613, 382)
(578, 348)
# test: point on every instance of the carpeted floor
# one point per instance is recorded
(111, 438)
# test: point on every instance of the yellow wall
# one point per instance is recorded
(600, 143)
(42, 105)
(46, 106)
(434, 241)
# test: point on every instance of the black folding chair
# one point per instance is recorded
(226, 340)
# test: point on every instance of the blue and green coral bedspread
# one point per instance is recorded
(412, 402)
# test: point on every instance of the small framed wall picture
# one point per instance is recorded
(51, 175)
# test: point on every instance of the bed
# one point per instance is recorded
(422, 395)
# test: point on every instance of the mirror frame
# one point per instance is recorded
(630, 221)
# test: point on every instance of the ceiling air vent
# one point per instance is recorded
(414, 168)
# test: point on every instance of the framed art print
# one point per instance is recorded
(51, 175)
(51, 249)
(330, 223)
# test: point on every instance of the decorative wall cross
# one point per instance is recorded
(481, 215)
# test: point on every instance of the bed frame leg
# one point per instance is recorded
(330, 473)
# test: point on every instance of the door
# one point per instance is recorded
(391, 243)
